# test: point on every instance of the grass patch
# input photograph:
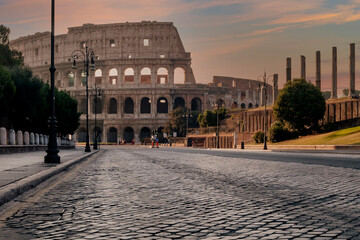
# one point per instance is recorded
(349, 136)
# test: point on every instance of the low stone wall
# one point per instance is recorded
(11, 142)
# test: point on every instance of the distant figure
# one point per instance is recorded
(124, 142)
(132, 143)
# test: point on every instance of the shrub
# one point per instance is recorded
(259, 137)
(279, 133)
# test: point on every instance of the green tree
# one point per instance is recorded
(7, 91)
(208, 118)
(346, 92)
(300, 104)
(66, 113)
(8, 57)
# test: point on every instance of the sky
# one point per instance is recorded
(236, 38)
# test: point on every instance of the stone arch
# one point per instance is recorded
(162, 76)
(71, 79)
(145, 106)
(234, 105)
(179, 75)
(129, 75)
(113, 76)
(98, 106)
(256, 105)
(128, 134)
(221, 102)
(162, 105)
(98, 76)
(196, 104)
(112, 135)
(179, 102)
(98, 133)
(145, 77)
(243, 106)
(113, 106)
(250, 105)
(129, 106)
(81, 135)
(145, 132)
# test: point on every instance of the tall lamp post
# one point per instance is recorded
(97, 93)
(217, 105)
(187, 115)
(86, 57)
(265, 112)
(52, 151)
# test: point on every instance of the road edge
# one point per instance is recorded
(17, 188)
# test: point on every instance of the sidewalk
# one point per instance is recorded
(20, 172)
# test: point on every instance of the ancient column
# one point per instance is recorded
(275, 87)
(288, 69)
(318, 70)
(303, 66)
(334, 74)
(352, 70)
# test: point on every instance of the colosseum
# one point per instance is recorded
(143, 72)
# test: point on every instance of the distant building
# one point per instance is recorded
(143, 71)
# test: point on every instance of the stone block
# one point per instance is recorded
(3, 136)
(19, 138)
(12, 138)
(26, 138)
(32, 139)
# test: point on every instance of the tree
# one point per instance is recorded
(66, 113)
(346, 92)
(8, 57)
(300, 104)
(7, 91)
(208, 118)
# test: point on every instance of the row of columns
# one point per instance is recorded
(334, 70)
(20, 138)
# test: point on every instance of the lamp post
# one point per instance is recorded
(85, 57)
(97, 93)
(186, 116)
(265, 112)
(217, 105)
(52, 151)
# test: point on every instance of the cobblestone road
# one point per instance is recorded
(153, 194)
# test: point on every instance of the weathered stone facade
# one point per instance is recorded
(143, 71)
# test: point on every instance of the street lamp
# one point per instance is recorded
(186, 116)
(97, 93)
(265, 112)
(85, 57)
(52, 151)
(216, 105)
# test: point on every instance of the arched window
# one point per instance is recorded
(98, 76)
(113, 76)
(129, 75)
(97, 107)
(162, 105)
(145, 133)
(71, 78)
(162, 76)
(113, 106)
(196, 104)
(250, 105)
(129, 106)
(179, 102)
(234, 105)
(146, 76)
(179, 76)
(145, 106)
(112, 135)
(243, 106)
(128, 134)
(81, 135)
(98, 133)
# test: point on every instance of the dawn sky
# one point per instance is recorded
(238, 38)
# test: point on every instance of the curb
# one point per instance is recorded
(11, 191)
